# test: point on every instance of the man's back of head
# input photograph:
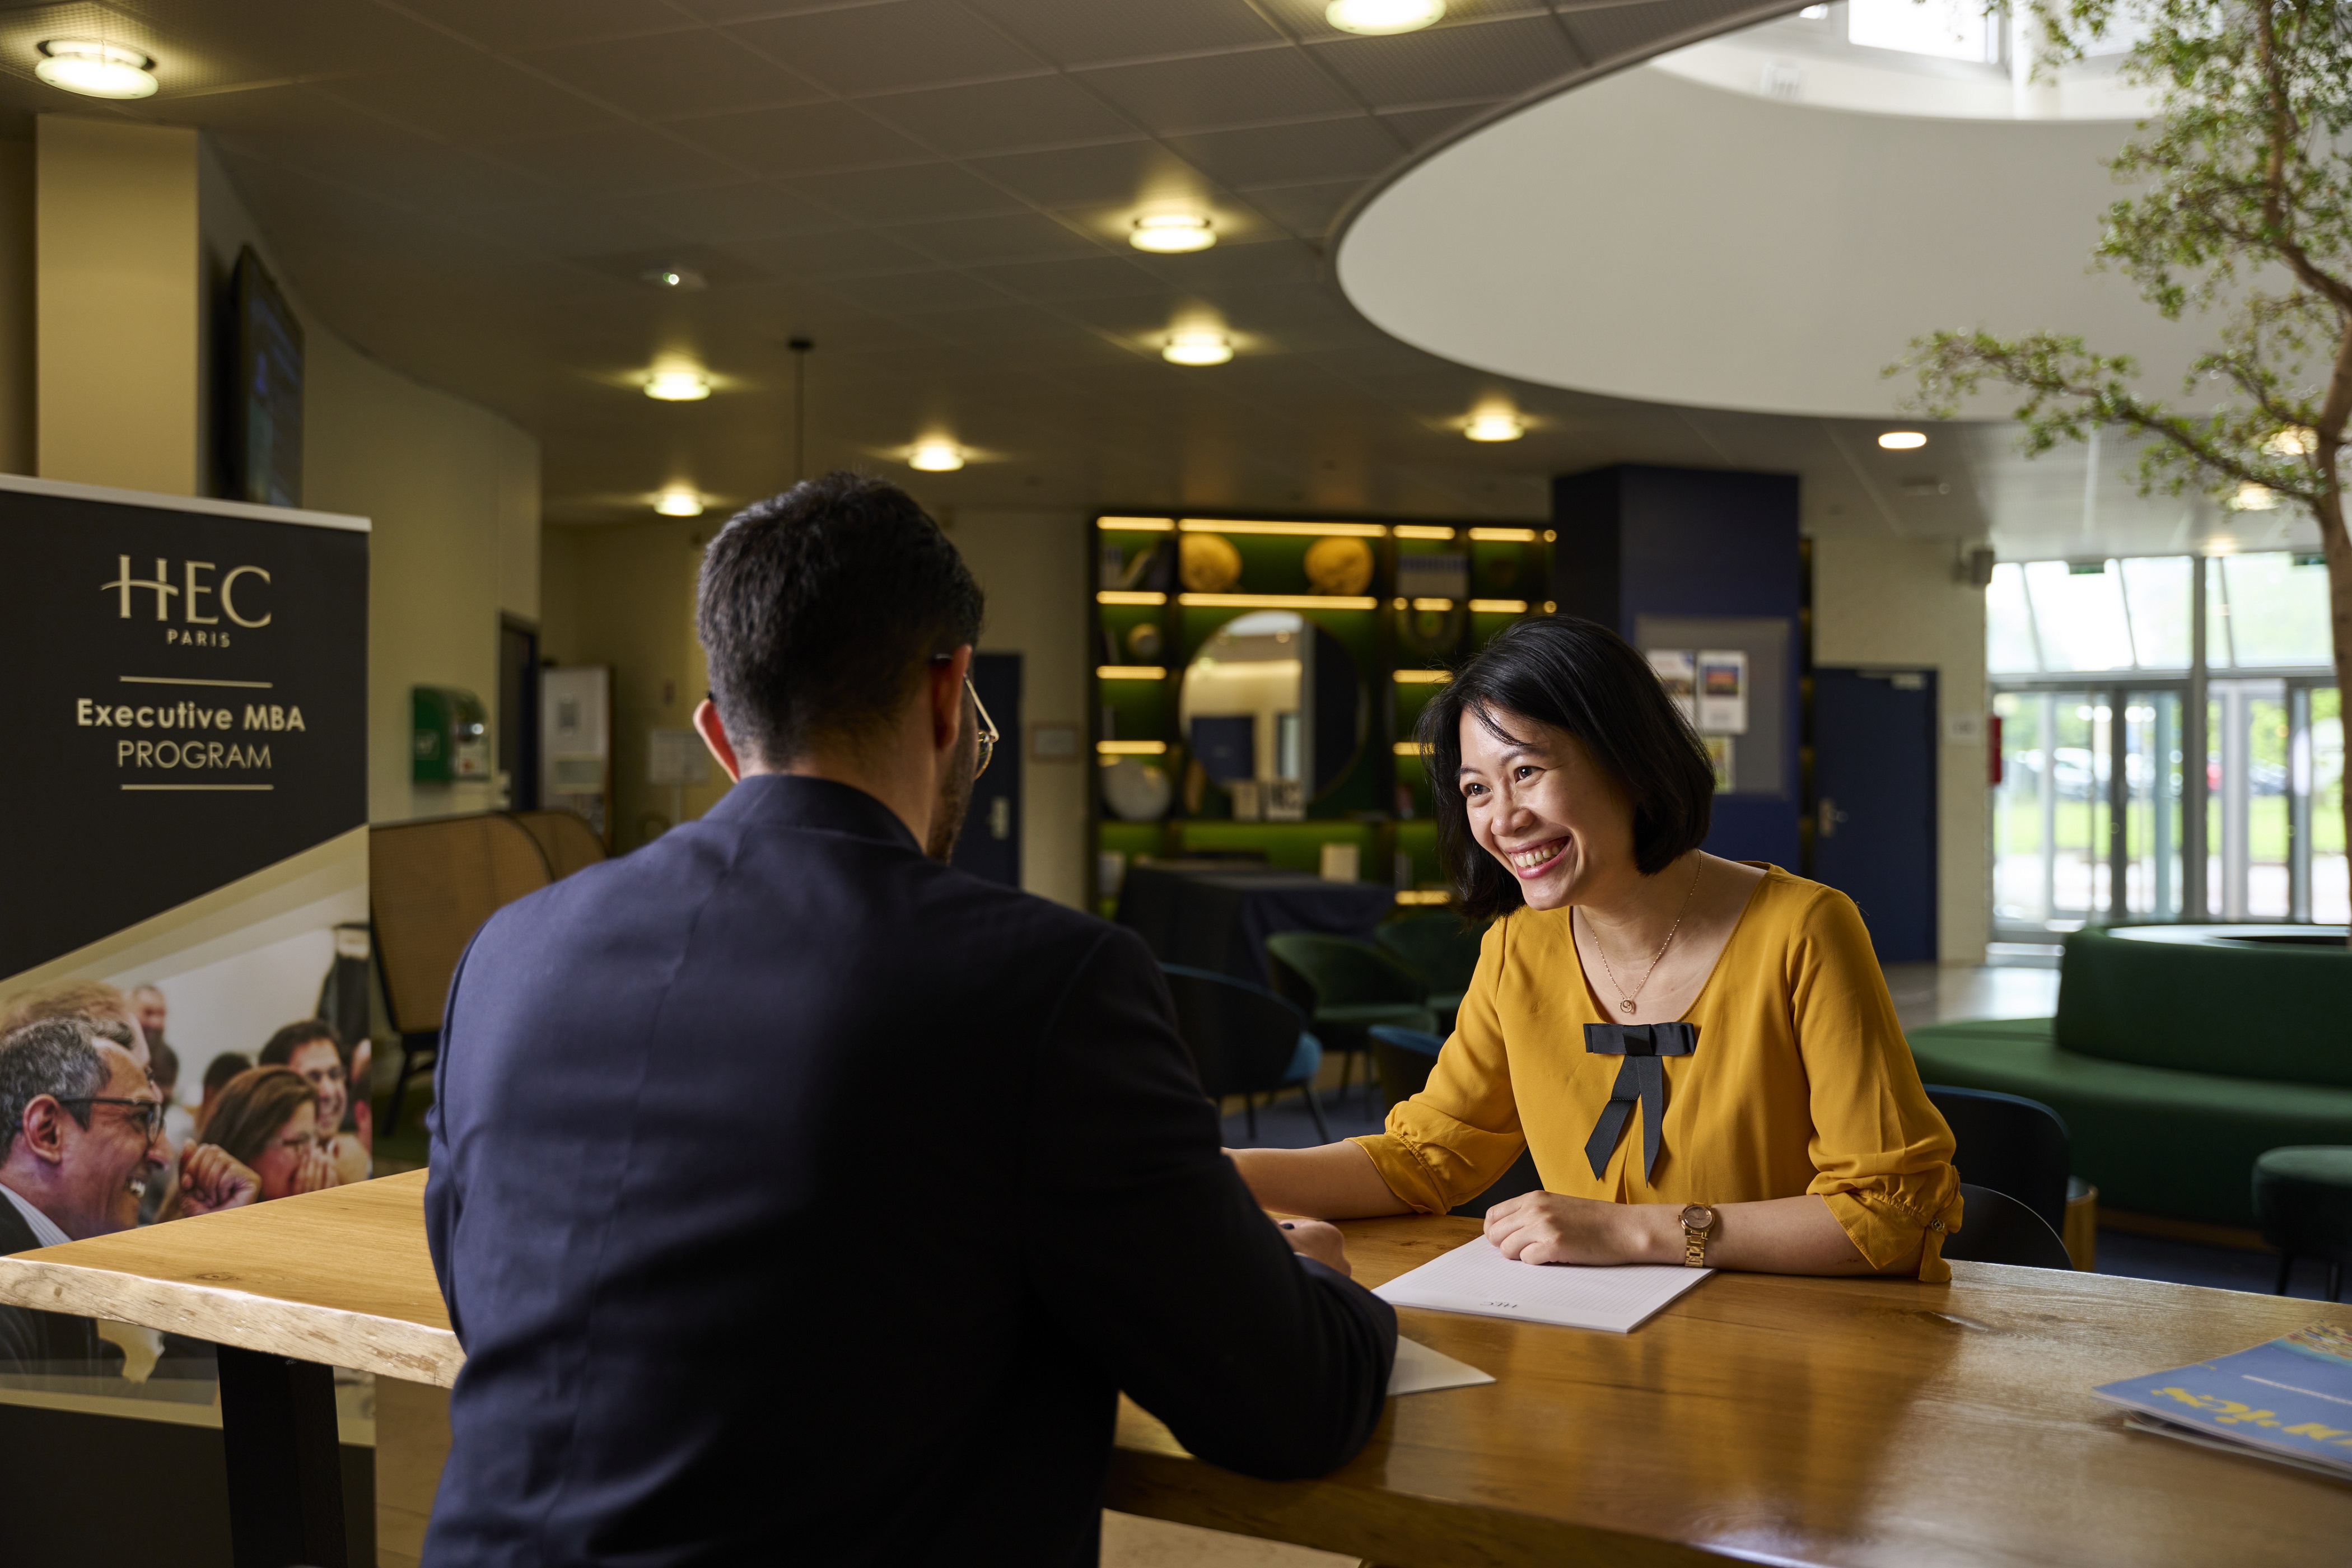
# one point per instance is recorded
(819, 609)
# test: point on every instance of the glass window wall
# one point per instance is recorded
(2098, 814)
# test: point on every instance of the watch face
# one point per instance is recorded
(1698, 1216)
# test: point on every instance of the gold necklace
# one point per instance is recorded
(1626, 1004)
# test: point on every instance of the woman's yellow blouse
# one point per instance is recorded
(1801, 1082)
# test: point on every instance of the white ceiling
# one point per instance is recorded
(936, 192)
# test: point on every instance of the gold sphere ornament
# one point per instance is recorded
(1208, 563)
(1339, 565)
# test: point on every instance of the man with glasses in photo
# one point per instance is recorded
(81, 1137)
(796, 1196)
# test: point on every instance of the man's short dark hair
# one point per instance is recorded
(1579, 675)
(224, 1067)
(54, 1057)
(819, 609)
(279, 1051)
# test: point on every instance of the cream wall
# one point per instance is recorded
(1898, 602)
(1034, 567)
(451, 488)
(118, 314)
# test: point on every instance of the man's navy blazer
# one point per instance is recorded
(797, 1198)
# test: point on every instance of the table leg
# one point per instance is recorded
(285, 1465)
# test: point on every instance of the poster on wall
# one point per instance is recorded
(184, 828)
(1722, 691)
(1678, 673)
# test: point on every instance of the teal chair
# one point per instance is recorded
(1444, 950)
(1347, 987)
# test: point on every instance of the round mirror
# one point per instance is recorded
(1274, 712)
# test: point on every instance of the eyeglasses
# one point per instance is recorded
(987, 729)
(149, 1116)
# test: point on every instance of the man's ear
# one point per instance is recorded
(43, 1130)
(948, 677)
(713, 730)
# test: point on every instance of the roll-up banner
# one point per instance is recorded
(184, 809)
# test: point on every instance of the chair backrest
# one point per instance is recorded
(1338, 970)
(2207, 1004)
(2008, 1143)
(1401, 1060)
(1241, 1039)
(1439, 948)
(564, 838)
(430, 887)
(1997, 1228)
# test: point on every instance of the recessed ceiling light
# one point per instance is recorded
(680, 501)
(685, 280)
(1903, 440)
(1495, 425)
(96, 70)
(677, 385)
(2254, 497)
(1378, 17)
(2294, 441)
(934, 456)
(1173, 233)
(1198, 348)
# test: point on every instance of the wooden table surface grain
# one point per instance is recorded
(1860, 1422)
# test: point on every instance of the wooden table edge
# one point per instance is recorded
(388, 1347)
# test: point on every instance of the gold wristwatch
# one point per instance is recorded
(1698, 1224)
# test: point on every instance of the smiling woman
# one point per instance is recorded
(1700, 1054)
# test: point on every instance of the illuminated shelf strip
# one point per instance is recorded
(1276, 602)
(1408, 748)
(1504, 535)
(1310, 529)
(1128, 597)
(1424, 896)
(1129, 672)
(1132, 748)
(1424, 676)
(1137, 524)
(1433, 604)
(1499, 607)
(1421, 531)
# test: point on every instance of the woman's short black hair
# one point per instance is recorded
(1577, 676)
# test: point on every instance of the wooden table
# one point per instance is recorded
(1786, 1421)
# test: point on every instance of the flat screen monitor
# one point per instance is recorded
(264, 446)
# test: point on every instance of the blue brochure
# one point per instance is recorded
(2290, 1399)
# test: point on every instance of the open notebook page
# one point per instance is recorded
(1475, 1277)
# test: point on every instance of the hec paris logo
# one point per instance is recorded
(195, 587)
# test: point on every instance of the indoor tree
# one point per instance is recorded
(2243, 212)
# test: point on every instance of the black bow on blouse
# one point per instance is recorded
(1643, 1077)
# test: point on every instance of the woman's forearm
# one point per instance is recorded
(1774, 1235)
(1335, 1181)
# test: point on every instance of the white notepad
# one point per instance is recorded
(1476, 1279)
(1420, 1370)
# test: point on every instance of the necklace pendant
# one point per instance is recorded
(1624, 1006)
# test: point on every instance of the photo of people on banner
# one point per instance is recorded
(233, 1082)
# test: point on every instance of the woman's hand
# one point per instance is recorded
(315, 1172)
(1548, 1227)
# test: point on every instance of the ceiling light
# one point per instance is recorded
(2294, 441)
(1377, 16)
(2222, 545)
(1173, 233)
(2254, 497)
(1198, 348)
(96, 70)
(680, 501)
(1903, 440)
(936, 456)
(1495, 425)
(685, 280)
(677, 385)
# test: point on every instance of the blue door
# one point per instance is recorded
(1874, 802)
(991, 845)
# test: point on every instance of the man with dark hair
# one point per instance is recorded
(311, 1048)
(929, 1147)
